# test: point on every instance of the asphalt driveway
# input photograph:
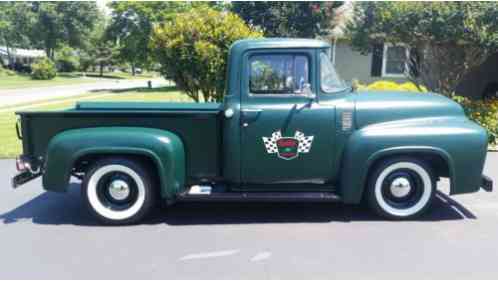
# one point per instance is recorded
(50, 236)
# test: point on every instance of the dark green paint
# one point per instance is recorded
(197, 129)
(352, 130)
(162, 147)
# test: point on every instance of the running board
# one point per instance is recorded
(262, 197)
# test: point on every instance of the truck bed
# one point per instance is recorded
(198, 125)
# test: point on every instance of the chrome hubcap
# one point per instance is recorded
(400, 187)
(119, 189)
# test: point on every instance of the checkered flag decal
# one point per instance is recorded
(271, 143)
(304, 142)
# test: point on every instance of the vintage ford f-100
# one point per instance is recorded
(288, 129)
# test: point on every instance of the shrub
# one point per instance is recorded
(483, 112)
(66, 59)
(6, 72)
(384, 85)
(43, 69)
(192, 49)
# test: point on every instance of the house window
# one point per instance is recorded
(394, 62)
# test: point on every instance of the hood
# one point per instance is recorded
(383, 106)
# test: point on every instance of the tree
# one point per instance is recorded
(99, 50)
(193, 47)
(15, 21)
(66, 59)
(447, 39)
(62, 22)
(288, 19)
(131, 27)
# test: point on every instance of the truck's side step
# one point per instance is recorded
(204, 193)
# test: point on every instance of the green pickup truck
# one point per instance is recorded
(288, 129)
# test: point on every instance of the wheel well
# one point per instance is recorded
(438, 164)
(82, 164)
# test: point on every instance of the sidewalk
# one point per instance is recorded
(14, 97)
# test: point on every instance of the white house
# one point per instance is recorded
(22, 56)
(386, 62)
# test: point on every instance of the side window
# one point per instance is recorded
(329, 79)
(278, 74)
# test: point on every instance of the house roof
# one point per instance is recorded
(25, 53)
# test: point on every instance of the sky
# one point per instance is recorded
(102, 5)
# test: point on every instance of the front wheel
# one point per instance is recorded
(401, 188)
(118, 191)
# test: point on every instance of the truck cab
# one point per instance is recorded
(284, 119)
(289, 129)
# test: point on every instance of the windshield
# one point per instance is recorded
(330, 80)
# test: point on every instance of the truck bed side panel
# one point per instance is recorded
(200, 132)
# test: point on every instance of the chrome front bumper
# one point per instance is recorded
(487, 183)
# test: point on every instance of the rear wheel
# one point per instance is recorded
(118, 191)
(401, 188)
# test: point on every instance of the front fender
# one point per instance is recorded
(461, 143)
(164, 148)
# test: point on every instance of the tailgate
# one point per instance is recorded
(28, 165)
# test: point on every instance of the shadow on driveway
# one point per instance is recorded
(54, 209)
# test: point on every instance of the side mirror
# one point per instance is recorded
(306, 91)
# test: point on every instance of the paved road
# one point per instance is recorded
(29, 95)
(47, 235)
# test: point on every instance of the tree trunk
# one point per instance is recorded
(47, 51)
(9, 55)
(7, 48)
(133, 70)
(101, 69)
(193, 95)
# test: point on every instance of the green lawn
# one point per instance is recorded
(24, 81)
(11, 147)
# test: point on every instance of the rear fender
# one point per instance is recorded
(165, 149)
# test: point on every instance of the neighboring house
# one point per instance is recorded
(20, 56)
(388, 62)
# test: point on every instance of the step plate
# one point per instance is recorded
(263, 197)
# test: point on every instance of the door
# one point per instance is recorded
(286, 137)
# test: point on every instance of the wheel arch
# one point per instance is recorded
(85, 159)
(438, 159)
(161, 148)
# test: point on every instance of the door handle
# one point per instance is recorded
(252, 110)
(250, 115)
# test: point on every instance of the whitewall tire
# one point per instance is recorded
(401, 188)
(118, 191)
